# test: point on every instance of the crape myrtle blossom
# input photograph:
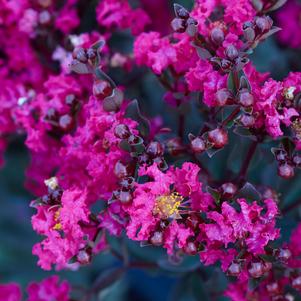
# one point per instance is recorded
(91, 145)
(47, 290)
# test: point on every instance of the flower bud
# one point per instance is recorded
(273, 288)
(178, 25)
(191, 27)
(247, 120)
(91, 53)
(228, 190)
(121, 170)
(222, 97)
(296, 282)
(218, 137)
(181, 12)
(157, 238)
(83, 257)
(122, 131)
(155, 149)
(127, 183)
(44, 17)
(161, 163)
(226, 65)
(231, 52)
(133, 140)
(80, 55)
(191, 248)
(297, 160)
(256, 269)
(264, 23)
(217, 36)
(144, 159)
(283, 254)
(234, 269)
(102, 88)
(198, 145)
(286, 171)
(70, 100)
(175, 146)
(125, 197)
(66, 122)
(245, 98)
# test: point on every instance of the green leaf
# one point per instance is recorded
(277, 5)
(133, 112)
(248, 191)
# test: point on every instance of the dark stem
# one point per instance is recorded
(245, 165)
(231, 116)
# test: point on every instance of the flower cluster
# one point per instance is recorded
(89, 144)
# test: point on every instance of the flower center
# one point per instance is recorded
(167, 206)
(288, 93)
(58, 225)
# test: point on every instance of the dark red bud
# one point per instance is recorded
(296, 282)
(297, 160)
(144, 159)
(198, 145)
(125, 197)
(234, 269)
(264, 24)
(218, 137)
(231, 52)
(226, 64)
(247, 120)
(122, 131)
(133, 140)
(127, 183)
(217, 36)
(44, 17)
(157, 238)
(228, 190)
(70, 100)
(286, 171)
(256, 269)
(284, 254)
(121, 170)
(52, 114)
(91, 53)
(222, 97)
(175, 146)
(181, 12)
(155, 149)
(80, 55)
(66, 122)
(245, 98)
(281, 155)
(273, 288)
(178, 25)
(191, 248)
(102, 88)
(83, 257)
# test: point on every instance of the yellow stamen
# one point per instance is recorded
(167, 206)
(58, 225)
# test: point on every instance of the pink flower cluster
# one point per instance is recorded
(47, 290)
